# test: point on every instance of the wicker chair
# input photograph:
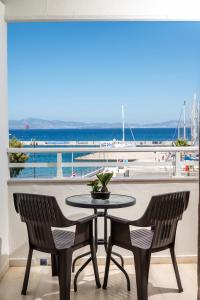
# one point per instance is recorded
(162, 216)
(41, 213)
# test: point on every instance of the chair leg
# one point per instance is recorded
(108, 258)
(27, 272)
(54, 264)
(141, 258)
(94, 262)
(65, 265)
(148, 254)
(173, 256)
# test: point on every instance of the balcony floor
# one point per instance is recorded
(162, 284)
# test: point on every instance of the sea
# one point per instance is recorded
(66, 135)
(138, 134)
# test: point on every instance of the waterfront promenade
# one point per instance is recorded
(96, 143)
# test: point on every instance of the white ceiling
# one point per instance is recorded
(19, 10)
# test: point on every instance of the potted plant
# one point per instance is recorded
(99, 186)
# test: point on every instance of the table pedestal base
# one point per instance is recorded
(98, 242)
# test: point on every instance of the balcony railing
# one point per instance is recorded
(174, 164)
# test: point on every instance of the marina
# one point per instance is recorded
(53, 154)
(122, 151)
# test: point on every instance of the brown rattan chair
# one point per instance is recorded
(42, 213)
(162, 216)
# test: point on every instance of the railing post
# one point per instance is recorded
(178, 164)
(72, 164)
(59, 165)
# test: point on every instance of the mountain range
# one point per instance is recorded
(34, 123)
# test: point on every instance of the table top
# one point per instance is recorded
(86, 201)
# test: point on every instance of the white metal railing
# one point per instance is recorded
(176, 163)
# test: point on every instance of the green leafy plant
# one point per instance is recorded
(181, 143)
(100, 184)
(95, 185)
(16, 157)
(104, 179)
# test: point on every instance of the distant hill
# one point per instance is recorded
(167, 124)
(33, 123)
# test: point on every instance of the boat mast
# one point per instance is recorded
(195, 120)
(123, 135)
(178, 131)
(179, 125)
(184, 122)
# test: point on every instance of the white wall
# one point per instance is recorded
(3, 144)
(187, 231)
(102, 9)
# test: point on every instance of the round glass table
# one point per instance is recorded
(100, 208)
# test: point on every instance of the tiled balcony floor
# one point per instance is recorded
(42, 286)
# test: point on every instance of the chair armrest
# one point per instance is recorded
(137, 223)
(68, 223)
(119, 220)
(84, 229)
(86, 219)
(120, 231)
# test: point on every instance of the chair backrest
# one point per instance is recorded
(40, 213)
(163, 213)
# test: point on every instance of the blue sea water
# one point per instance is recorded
(139, 134)
(65, 135)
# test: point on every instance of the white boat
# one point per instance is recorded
(119, 144)
(123, 143)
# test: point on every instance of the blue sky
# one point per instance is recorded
(84, 71)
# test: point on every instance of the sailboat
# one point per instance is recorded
(195, 121)
(123, 143)
(120, 143)
(182, 123)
